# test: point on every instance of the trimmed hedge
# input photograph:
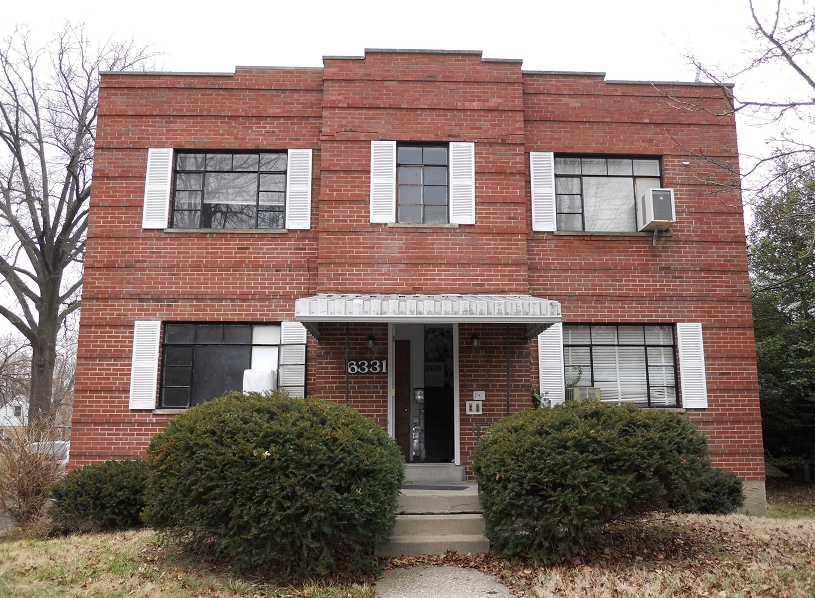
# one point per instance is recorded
(718, 492)
(100, 497)
(299, 486)
(546, 476)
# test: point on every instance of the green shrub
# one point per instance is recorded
(299, 486)
(546, 476)
(717, 492)
(100, 497)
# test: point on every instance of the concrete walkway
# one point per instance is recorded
(439, 582)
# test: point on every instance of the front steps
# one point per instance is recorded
(437, 511)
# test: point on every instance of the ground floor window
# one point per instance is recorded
(630, 364)
(204, 361)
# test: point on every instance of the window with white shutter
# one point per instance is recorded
(550, 364)
(462, 183)
(292, 375)
(383, 182)
(542, 175)
(298, 189)
(692, 365)
(144, 370)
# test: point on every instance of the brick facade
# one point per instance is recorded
(697, 273)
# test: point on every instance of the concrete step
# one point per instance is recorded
(458, 498)
(439, 525)
(433, 473)
(418, 545)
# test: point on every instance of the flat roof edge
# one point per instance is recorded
(683, 83)
(566, 73)
(167, 73)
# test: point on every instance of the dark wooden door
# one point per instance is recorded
(401, 380)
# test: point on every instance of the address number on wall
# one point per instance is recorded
(367, 366)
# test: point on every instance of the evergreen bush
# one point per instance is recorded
(717, 492)
(546, 476)
(299, 486)
(100, 497)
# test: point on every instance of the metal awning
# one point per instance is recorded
(538, 314)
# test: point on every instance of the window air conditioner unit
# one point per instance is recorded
(581, 393)
(656, 210)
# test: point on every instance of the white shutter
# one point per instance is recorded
(292, 370)
(144, 372)
(550, 364)
(157, 188)
(692, 365)
(383, 181)
(462, 183)
(298, 189)
(542, 169)
(292, 333)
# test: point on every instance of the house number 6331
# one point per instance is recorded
(367, 366)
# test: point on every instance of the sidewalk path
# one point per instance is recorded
(439, 582)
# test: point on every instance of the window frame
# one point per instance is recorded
(423, 185)
(674, 346)
(581, 178)
(165, 367)
(279, 209)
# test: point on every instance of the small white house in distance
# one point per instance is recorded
(13, 414)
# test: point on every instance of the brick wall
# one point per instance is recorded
(698, 273)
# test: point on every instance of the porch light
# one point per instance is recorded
(476, 341)
(369, 341)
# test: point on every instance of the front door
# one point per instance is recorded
(424, 392)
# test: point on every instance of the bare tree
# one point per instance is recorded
(779, 78)
(48, 110)
(15, 367)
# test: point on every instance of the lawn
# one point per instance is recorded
(659, 555)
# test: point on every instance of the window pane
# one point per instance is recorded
(187, 219)
(245, 162)
(179, 334)
(236, 335)
(273, 182)
(604, 335)
(175, 397)
(266, 335)
(410, 174)
(190, 161)
(570, 204)
(229, 216)
(572, 222)
(410, 213)
(177, 376)
(409, 155)
(576, 335)
(209, 334)
(270, 220)
(663, 396)
(187, 200)
(178, 355)
(646, 168)
(230, 188)
(567, 165)
(272, 198)
(608, 204)
(435, 155)
(620, 167)
(274, 162)
(435, 175)
(644, 184)
(219, 369)
(631, 335)
(219, 161)
(594, 166)
(659, 335)
(409, 194)
(661, 375)
(435, 195)
(661, 356)
(567, 184)
(264, 358)
(435, 214)
(191, 181)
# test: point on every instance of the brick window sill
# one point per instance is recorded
(419, 225)
(223, 231)
(649, 235)
(168, 411)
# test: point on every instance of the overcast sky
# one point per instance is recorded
(628, 39)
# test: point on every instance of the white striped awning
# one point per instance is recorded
(537, 313)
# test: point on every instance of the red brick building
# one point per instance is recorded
(426, 236)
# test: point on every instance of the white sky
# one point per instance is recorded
(628, 39)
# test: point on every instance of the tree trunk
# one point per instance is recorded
(44, 355)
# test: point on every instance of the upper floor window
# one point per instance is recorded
(229, 190)
(599, 194)
(421, 190)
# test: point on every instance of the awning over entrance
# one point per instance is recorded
(537, 314)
